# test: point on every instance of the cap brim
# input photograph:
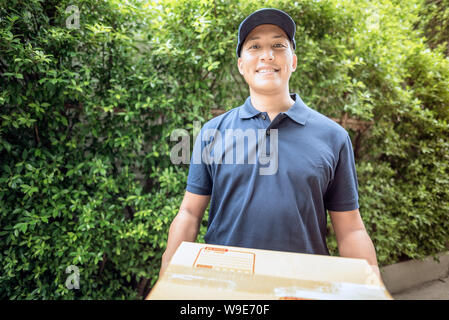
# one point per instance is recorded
(266, 16)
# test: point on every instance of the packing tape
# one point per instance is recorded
(275, 287)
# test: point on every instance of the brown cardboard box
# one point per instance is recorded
(204, 271)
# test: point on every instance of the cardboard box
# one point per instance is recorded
(207, 272)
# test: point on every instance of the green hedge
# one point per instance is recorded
(87, 112)
(434, 23)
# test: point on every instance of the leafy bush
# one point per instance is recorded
(434, 23)
(82, 118)
(87, 113)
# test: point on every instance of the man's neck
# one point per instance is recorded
(272, 104)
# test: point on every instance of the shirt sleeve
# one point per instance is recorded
(199, 179)
(342, 192)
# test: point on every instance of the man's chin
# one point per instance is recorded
(266, 87)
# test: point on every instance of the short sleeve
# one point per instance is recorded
(199, 180)
(342, 192)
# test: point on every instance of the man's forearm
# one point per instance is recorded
(184, 227)
(358, 244)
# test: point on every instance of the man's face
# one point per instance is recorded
(266, 60)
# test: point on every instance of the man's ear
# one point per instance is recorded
(239, 65)
(294, 62)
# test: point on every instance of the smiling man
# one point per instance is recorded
(315, 173)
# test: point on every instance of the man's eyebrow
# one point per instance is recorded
(257, 38)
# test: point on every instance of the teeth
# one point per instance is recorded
(264, 71)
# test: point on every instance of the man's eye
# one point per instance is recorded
(279, 45)
(254, 46)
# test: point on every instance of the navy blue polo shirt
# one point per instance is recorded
(271, 181)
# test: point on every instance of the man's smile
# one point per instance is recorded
(267, 70)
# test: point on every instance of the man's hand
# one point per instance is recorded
(164, 265)
(376, 271)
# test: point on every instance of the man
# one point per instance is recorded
(283, 208)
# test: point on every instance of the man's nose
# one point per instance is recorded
(267, 54)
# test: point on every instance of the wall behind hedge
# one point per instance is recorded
(87, 112)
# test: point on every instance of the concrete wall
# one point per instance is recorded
(405, 275)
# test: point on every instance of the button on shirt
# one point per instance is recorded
(271, 182)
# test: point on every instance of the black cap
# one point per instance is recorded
(266, 16)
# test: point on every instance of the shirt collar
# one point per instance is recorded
(247, 110)
(298, 112)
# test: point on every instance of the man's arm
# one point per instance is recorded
(352, 239)
(185, 225)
